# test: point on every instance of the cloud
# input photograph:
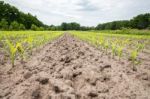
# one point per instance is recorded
(86, 5)
(86, 12)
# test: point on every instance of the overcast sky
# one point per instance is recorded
(85, 12)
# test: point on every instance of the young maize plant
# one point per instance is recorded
(120, 51)
(39, 41)
(12, 50)
(20, 50)
(101, 42)
(113, 48)
(127, 41)
(106, 46)
(93, 41)
(133, 58)
(30, 46)
(140, 47)
(96, 40)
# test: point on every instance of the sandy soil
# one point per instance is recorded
(68, 68)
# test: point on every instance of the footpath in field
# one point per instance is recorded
(68, 68)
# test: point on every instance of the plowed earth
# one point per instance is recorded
(69, 68)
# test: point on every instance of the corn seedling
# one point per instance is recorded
(106, 46)
(113, 48)
(30, 44)
(133, 57)
(93, 41)
(140, 47)
(12, 51)
(119, 51)
(20, 51)
(101, 42)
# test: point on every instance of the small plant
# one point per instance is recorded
(140, 47)
(133, 58)
(20, 51)
(106, 46)
(96, 40)
(120, 51)
(29, 40)
(93, 41)
(11, 51)
(101, 42)
(113, 48)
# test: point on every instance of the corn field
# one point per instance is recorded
(20, 44)
(117, 45)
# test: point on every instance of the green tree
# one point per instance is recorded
(11, 14)
(4, 24)
(41, 28)
(52, 27)
(34, 27)
(141, 21)
(21, 27)
(64, 26)
(70, 26)
(74, 26)
(14, 25)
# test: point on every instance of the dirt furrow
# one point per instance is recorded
(71, 69)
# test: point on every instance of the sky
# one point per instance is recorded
(85, 12)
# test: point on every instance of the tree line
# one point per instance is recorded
(13, 19)
(141, 21)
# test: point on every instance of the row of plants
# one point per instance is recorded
(20, 44)
(117, 46)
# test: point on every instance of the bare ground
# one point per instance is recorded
(68, 68)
